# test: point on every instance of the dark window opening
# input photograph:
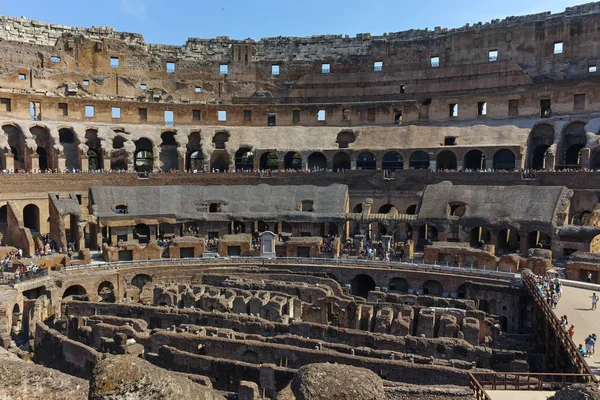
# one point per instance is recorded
(271, 119)
(398, 117)
(402, 89)
(545, 109)
(296, 116)
(346, 114)
(247, 115)
(214, 207)
(196, 115)
(143, 113)
(122, 209)
(513, 108)
(65, 109)
(450, 141)
(5, 105)
(482, 108)
(579, 101)
(371, 114)
(453, 110)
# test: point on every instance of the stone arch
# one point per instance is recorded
(45, 144)
(433, 288)
(140, 280)
(31, 217)
(317, 161)
(292, 160)
(219, 161)
(387, 208)
(74, 290)
(345, 138)
(141, 232)
(446, 159)
(269, 161)
(244, 159)
(119, 157)
(474, 160)
(418, 160)
(573, 141)
(143, 158)
(238, 227)
(220, 139)
(366, 160)
(508, 240)
(169, 157)
(106, 292)
(18, 148)
(361, 285)
(251, 357)
(357, 208)
(392, 161)
(195, 160)
(399, 285)
(412, 209)
(504, 159)
(69, 142)
(539, 240)
(341, 161)
(540, 140)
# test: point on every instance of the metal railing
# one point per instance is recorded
(579, 363)
(232, 261)
(525, 381)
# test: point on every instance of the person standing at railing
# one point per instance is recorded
(571, 331)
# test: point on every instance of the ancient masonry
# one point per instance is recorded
(326, 217)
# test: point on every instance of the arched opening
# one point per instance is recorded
(16, 142)
(509, 241)
(42, 158)
(446, 160)
(106, 292)
(44, 143)
(93, 160)
(220, 139)
(292, 160)
(540, 139)
(580, 218)
(461, 291)
(119, 156)
(538, 240)
(16, 320)
(419, 160)
(219, 161)
(479, 236)
(433, 288)
(398, 285)
(140, 280)
(143, 158)
(269, 161)
(196, 161)
(168, 152)
(244, 159)
(141, 232)
(317, 161)
(345, 138)
(504, 160)
(239, 227)
(573, 141)
(474, 160)
(341, 161)
(412, 209)
(392, 161)
(361, 285)
(387, 209)
(67, 139)
(31, 217)
(366, 160)
(456, 209)
(357, 208)
(74, 290)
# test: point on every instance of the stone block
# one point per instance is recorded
(470, 329)
(426, 323)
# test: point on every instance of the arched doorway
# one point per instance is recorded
(141, 232)
(474, 160)
(31, 217)
(399, 285)
(94, 153)
(573, 141)
(140, 280)
(119, 157)
(504, 160)
(479, 236)
(366, 160)
(508, 241)
(392, 161)
(412, 209)
(45, 143)
(538, 240)
(93, 160)
(292, 160)
(106, 292)
(16, 142)
(143, 159)
(269, 161)
(361, 285)
(244, 159)
(67, 139)
(433, 288)
(446, 160)
(168, 152)
(317, 161)
(219, 161)
(74, 290)
(42, 158)
(540, 140)
(341, 161)
(419, 160)
(196, 161)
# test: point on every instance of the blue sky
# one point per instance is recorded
(173, 21)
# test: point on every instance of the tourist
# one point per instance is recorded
(571, 331)
(594, 301)
(589, 277)
(581, 350)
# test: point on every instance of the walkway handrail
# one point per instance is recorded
(532, 381)
(565, 340)
(299, 260)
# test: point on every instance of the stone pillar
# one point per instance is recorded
(105, 163)
(585, 158)
(366, 206)
(523, 247)
(489, 163)
(550, 160)
(304, 161)
(353, 163)
(10, 161)
(156, 164)
(35, 162)
(386, 241)
(62, 162)
(181, 161)
(85, 163)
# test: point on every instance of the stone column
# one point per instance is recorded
(550, 160)
(35, 162)
(10, 161)
(304, 161)
(105, 163)
(523, 247)
(181, 161)
(62, 162)
(85, 163)
(386, 241)
(585, 158)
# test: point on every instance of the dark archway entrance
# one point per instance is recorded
(317, 161)
(341, 161)
(361, 285)
(392, 161)
(446, 160)
(419, 160)
(474, 160)
(292, 160)
(504, 160)
(31, 217)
